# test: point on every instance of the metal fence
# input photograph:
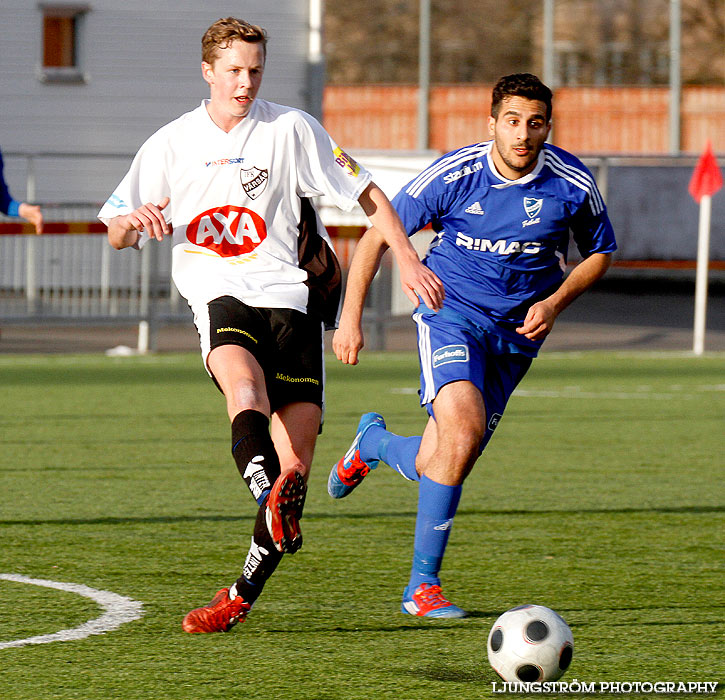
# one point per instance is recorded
(76, 275)
(77, 278)
(70, 275)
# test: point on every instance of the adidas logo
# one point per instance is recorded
(475, 208)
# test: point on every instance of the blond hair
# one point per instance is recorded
(223, 32)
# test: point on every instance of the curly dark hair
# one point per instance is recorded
(520, 85)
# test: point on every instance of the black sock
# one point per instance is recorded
(262, 559)
(254, 452)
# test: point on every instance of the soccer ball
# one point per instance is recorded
(531, 644)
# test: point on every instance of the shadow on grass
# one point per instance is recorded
(312, 516)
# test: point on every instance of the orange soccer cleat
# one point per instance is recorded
(284, 510)
(218, 616)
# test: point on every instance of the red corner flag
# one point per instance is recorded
(706, 178)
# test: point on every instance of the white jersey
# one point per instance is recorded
(239, 206)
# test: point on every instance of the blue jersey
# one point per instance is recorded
(501, 245)
(8, 205)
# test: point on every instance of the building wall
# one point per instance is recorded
(142, 62)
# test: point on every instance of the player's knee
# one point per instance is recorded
(245, 394)
(457, 451)
(463, 452)
(467, 437)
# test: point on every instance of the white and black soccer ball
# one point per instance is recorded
(530, 643)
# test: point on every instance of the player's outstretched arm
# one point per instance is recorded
(348, 339)
(415, 278)
(541, 316)
(123, 231)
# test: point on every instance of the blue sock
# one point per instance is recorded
(437, 504)
(399, 453)
(396, 451)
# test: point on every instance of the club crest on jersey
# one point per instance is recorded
(228, 231)
(532, 207)
(254, 181)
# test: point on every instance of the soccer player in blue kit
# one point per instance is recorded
(502, 211)
(12, 207)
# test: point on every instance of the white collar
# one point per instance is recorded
(522, 180)
(204, 107)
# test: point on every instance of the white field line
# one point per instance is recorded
(574, 392)
(677, 391)
(568, 394)
(118, 610)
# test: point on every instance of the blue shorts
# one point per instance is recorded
(451, 349)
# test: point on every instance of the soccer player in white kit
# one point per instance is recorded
(231, 183)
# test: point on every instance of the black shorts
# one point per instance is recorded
(288, 345)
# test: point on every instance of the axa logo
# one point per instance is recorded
(450, 353)
(228, 231)
(532, 207)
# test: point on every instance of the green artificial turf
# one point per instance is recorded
(601, 496)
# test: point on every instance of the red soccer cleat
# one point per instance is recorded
(218, 616)
(284, 510)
